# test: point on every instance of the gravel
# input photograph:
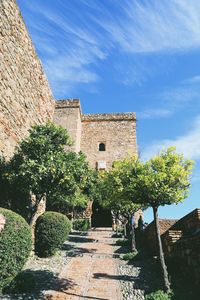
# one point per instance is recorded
(138, 277)
(46, 270)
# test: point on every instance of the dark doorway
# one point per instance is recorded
(101, 217)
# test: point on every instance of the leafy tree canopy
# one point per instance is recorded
(164, 179)
(42, 166)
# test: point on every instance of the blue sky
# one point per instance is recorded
(123, 56)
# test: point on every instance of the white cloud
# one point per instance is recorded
(156, 26)
(169, 101)
(83, 38)
(154, 113)
(194, 79)
(188, 144)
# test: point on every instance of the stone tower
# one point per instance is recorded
(104, 138)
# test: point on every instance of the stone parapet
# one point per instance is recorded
(67, 103)
(108, 117)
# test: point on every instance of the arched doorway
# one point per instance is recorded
(101, 217)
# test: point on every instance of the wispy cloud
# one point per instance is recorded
(154, 113)
(188, 144)
(156, 26)
(84, 37)
(171, 100)
(192, 80)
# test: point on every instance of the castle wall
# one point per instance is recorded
(25, 96)
(68, 115)
(116, 131)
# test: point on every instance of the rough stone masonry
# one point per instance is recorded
(104, 138)
(25, 96)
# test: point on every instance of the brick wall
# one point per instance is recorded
(25, 96)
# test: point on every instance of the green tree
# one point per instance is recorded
(114, 196)
(43, 168)
(163, 180)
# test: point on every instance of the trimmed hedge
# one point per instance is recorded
(81, 224)
(15, 246)
(52, 230)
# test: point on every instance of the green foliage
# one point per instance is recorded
(117, 235)
(24, 282)
(114, 189)
(158, 295)
(52, 230)
(124, 242)
(164, 179)
(81, 224)
(130, 255)
(15, 246)
(43, 167)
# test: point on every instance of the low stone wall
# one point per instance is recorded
(186, 253)
(188, 223)
(181, 243)
(150, 239)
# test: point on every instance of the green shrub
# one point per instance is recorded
(81, 224)
(117, 235)
(158, 295)
(52, 229)
(130, 255)
(15, 246)
(123, 242)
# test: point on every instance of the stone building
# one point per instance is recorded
(104, 138)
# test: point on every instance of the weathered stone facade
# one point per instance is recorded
(68, 115)
(115, 132)
(25, 96)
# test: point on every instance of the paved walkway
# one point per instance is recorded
(92, 274)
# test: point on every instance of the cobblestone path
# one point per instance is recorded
(92, 273)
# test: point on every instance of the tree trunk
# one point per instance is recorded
(133, 242)
(124, 230)
(161, 254)
(39, 208)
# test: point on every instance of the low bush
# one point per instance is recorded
(52, 230)
(15, 246)
(81, 224)
(117, 235)
(158, 295)
(130, 255)
(123, 242)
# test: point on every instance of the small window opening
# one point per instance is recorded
(102, 147)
